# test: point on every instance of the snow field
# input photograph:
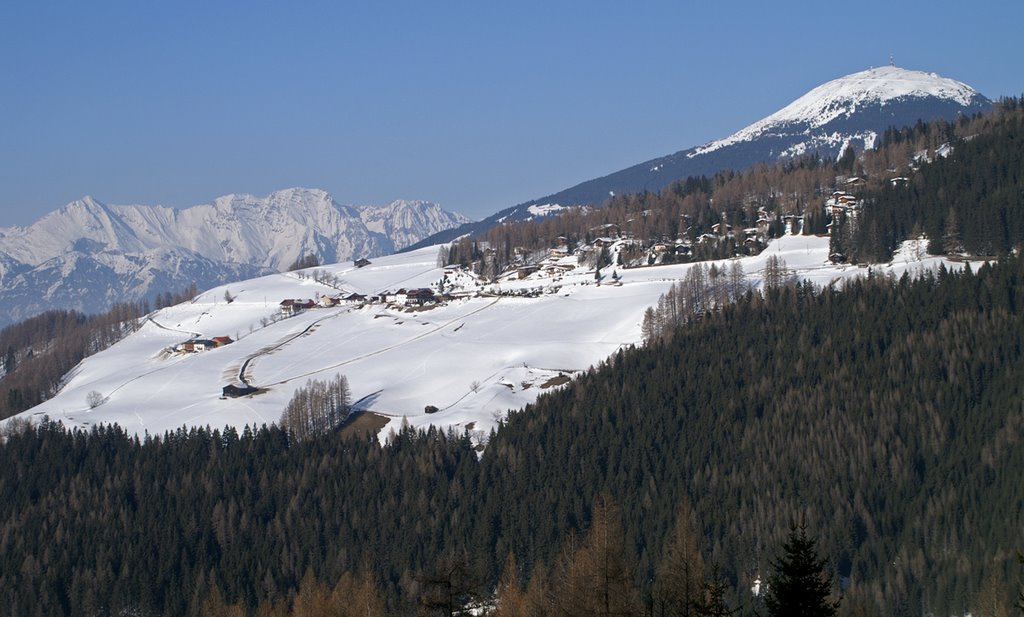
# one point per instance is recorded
(473, 358)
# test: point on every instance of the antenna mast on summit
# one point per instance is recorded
(892, 60)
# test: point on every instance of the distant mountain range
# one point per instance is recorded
(850, 111)
(88, 255)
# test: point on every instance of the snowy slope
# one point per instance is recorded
(852, 110)
(397, 361)
(89, 254)
(842, 100)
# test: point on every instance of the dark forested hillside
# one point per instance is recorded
(967, 201)
(37, 353)
(886, 417)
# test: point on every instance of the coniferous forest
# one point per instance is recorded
(35, 354)
(862, 442)
(884, 417)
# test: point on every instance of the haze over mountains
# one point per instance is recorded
(88, 255)
(849, 111)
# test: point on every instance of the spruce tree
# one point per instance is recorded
(712, 602)
(800, 587)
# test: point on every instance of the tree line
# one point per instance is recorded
(317, 408)
(37, 353)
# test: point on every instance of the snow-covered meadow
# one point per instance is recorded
(473, 358)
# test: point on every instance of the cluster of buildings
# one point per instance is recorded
(841, 203)
(401, 298)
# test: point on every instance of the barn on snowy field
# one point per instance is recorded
(233, 391)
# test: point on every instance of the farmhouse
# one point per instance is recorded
(395, 297)
(291, 306)
(361, 263)
(763, 225)
(233, 391)
(419, 296)
(197, 345)
(558, 269)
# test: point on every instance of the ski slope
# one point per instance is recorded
(473, 358)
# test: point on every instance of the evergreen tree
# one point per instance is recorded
(648, 327)
(951, 238)
(800, 587)
(512, 600)
(450, 587)
(775, 273)
(358, 596)
(682, 568)
(596, 578)
(712, 602)
(1020, 594)
(10, 360)
(305, 261)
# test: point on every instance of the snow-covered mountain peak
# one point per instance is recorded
(84, 209)
(400, 204)
(399, 219)
(285, 199)
(881, 85)
(119, 253)
(844, 97)
(298, 196)
(87, 203)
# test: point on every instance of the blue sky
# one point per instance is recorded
(475, 105)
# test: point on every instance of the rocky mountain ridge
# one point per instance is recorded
(88, 255)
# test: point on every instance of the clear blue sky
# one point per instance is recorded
(475, 105)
